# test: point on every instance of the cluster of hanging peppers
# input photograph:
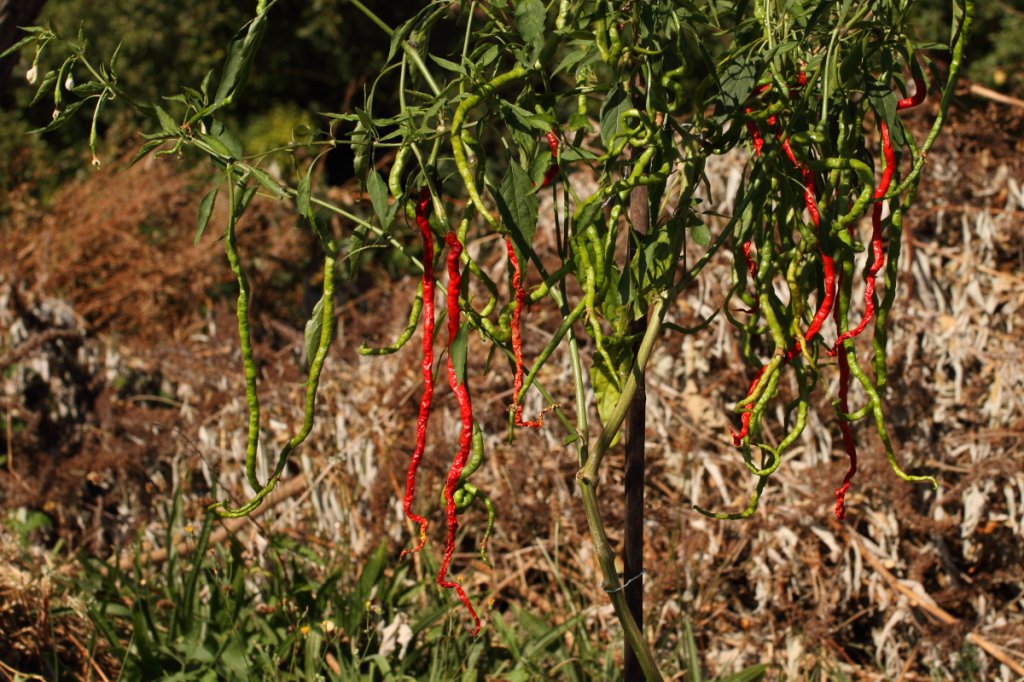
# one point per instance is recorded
(767, 249)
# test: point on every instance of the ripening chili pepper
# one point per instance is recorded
(751, 265)
(755, 134)
(423, 205)
(466, 436)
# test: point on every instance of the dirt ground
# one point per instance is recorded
(122, 380)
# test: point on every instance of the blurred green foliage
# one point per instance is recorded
(315, 58)
(996, 53)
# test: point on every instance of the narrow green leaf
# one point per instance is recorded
(241, 52)
(61, 118)
(144, 151)
(448, 65)
(217, 146)
(267, 182)
(303, 194)
(31, 38)
(517, 204)
(700, 234)
(205, 211)
(167, 124)
(45, 86)
(613, 106)
(378, 190)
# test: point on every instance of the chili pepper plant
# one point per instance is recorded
(482, 107)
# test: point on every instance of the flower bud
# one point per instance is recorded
(69, 82)
(32, 74)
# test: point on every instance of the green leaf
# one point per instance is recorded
(268, 183)
(45, 87)
(144, 151)
(517, 204)
(736, 81)
(607, 380)
(448, 65)
(753, 673)
(167, 123)
(700, 234)
(378, 190)
(205, 210)
(31, 38)
(302, 194)
(853, 65)
(612, 108)
(222, 133)
(457, 352)
(314, 329)
(241, 52)
(530, 16)
(61, 118)
(218, 147)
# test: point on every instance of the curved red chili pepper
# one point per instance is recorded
(552, 172)
(751, 265)
(466, 416)
(517, 340)
(847, 430)
(828, 263)
(877, 252)
(811, 201)
(738, 436)
(520, 297)
(423, 206)
(920, 92)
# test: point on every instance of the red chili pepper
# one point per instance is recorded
(552, 172)
(751, 265)
(847, 430)
(877, 252)
(811, 201)
(920, 92)
(517, 340)
(466, 416)
(520, 295)
(738, 436)
(423, 206)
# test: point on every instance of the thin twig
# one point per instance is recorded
(990, 94)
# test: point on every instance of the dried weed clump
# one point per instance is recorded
(45, 632)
